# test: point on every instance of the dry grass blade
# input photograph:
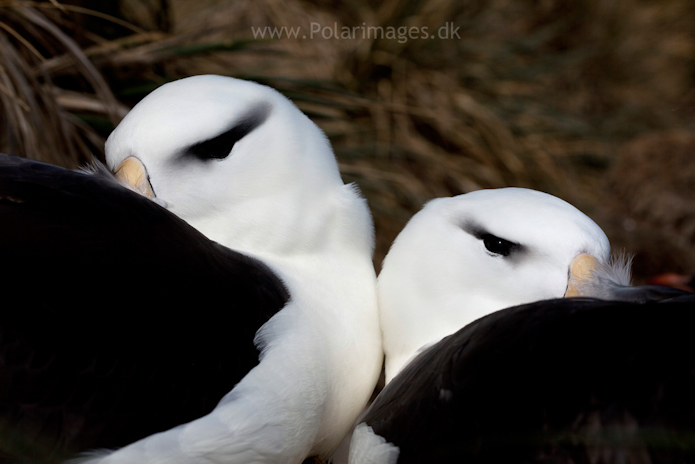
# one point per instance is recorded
(86, 67)
(63, 63)
(27, 119)
(80, 102)
(34, 110)
(24, 41)
(73, 8)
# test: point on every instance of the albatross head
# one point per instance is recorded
(464, 257)
(235, 159)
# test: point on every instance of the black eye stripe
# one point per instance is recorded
(220, 146)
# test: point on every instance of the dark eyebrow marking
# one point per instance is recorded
(220, 146)
(475, 229)
(479, 232)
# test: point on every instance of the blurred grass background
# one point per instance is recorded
(590, 100)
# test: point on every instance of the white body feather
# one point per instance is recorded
(369, 448)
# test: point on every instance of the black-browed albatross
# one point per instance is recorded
(144, 311)
(549, 381)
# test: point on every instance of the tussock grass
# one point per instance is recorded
(35, 111)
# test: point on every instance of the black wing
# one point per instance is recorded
(561, 381)
(117, 319)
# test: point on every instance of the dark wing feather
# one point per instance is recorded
(643, 293)
(561, 381)
(118, 319)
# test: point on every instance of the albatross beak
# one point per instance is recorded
(133, 172)
(581, 269)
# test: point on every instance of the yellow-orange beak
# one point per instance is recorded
(133, 172)
(581, 269)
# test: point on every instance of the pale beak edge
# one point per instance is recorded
(581, 270)
(132, 172)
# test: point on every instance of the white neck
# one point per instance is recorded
(273, 227)
(330, 276)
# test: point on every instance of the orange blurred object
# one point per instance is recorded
(671, 279)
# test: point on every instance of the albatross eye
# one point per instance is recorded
(498, 246)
